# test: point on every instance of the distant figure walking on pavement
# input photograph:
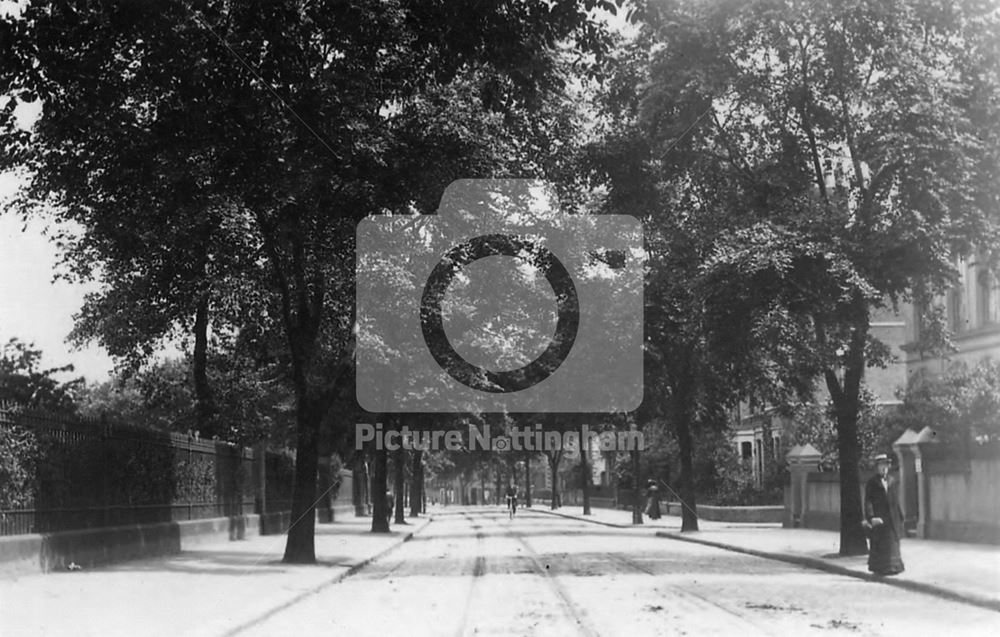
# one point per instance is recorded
(512, 501)
(884, 518)
(652, 500)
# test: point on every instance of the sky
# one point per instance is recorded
(34, 307)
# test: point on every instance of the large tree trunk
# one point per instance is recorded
(380, 506)
(682, 400)
(417, 483)
(358, 482)
(846, 403)
(767, 448)
(369, 482)
(399, 460)
(636, 481)
(527, 481)
(498, 475)
(300, 548)
(554, 459)
(852, 536)
(511, 470)
(689, 507)
(204, 408)
(584, 472)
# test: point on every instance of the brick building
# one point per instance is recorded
(972, 314)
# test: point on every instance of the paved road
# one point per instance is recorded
(475, 572)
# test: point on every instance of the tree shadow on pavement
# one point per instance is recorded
(228, 563)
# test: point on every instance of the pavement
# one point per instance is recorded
(474, 571)
(968, 573)
(217, 588)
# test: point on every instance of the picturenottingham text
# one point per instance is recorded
(482, 438)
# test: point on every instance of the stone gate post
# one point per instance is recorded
(801, 460)
(906, 451)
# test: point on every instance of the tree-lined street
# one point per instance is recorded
(741, 230)
(474, 571)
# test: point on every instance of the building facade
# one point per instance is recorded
(763, 436)
(971, 312)
(972, 315)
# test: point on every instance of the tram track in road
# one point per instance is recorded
(307, 594)
(478, 570)
(572, 611)
(697, 602)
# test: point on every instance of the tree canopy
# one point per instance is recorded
(798, 167)
(210, 148)
(25, 383)
(833, 160)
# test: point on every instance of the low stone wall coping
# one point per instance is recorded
(46, 552)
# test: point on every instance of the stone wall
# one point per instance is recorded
(93, 547)
(744, 514)
(946, 492)
(962, 497)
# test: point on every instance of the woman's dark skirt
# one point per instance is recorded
(653, 508)
(883, 556)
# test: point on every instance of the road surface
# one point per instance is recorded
(475, 572)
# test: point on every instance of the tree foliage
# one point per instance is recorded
(815, 423)
(699, 363)
(251, 405)
(19, 458)
(204, 143)
(961, 406)
(854, 146)
(24, 382)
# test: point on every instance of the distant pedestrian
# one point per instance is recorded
(389, 501)
(884, 520)
(652, 500)
(512, 500)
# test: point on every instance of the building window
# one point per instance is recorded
(746, 451)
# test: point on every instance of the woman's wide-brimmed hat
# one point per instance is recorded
(882, 457)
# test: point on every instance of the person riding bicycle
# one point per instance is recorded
(512, 500)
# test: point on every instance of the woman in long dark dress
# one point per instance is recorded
(652, 500)
(884, 518)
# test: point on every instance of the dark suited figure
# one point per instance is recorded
(884, 518)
